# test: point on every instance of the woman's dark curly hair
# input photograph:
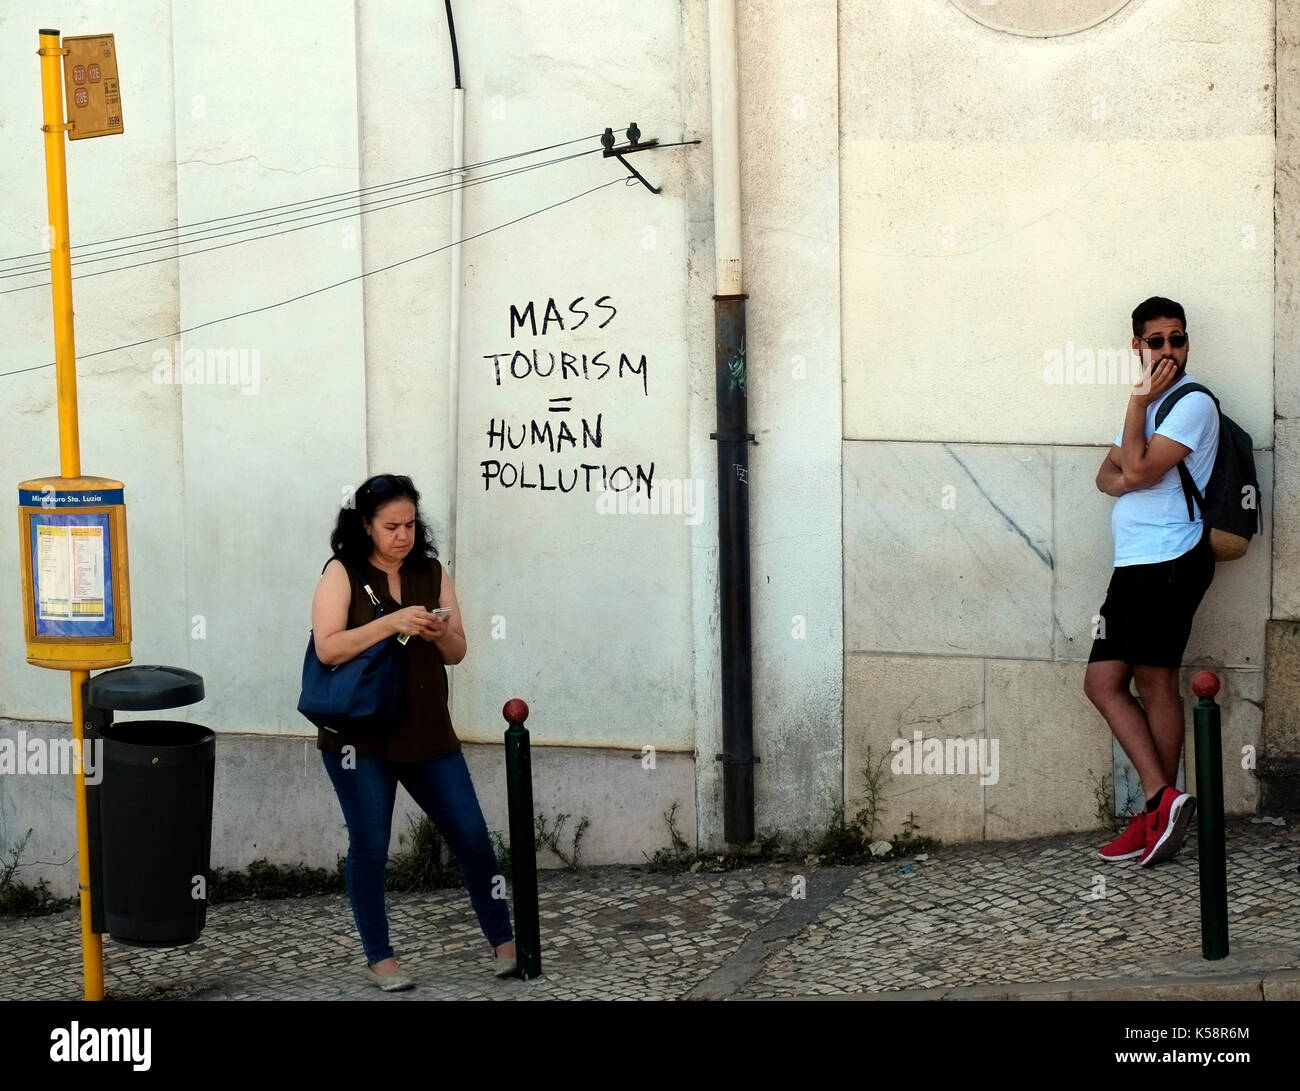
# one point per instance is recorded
(350, 542)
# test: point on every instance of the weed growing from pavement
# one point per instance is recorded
(265, 881)
(1128, 794)
(842, 842)
(910, 828)
(680, 844)
(1103, 796)
(855, 841)
(548, 837)
(873, 782)
(677, 857)
(504, 864)
(422, 866)
(18, 899)
(427, 864)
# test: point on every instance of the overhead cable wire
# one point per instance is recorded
(375, 206)
(336, 284)
(325, 199)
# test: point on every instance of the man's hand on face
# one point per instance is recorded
(1157, 377)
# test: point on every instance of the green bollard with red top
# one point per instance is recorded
(1209, 827)
(523, 847)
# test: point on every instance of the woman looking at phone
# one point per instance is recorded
(384, 557)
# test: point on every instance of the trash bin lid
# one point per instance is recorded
(131, 689)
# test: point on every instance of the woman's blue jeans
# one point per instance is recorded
(442, 788)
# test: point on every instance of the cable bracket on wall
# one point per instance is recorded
(635, 144)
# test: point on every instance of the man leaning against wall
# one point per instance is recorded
(1163, 567)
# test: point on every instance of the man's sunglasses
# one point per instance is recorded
(1156, 343)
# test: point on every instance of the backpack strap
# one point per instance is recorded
(1184, 474)
(1173, 399)
(1190, 490)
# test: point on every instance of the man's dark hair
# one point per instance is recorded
(1156, 307)
(350, 542)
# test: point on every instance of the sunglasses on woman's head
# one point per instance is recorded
(1156, 343)
(383, 483)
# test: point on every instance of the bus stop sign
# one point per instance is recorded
(90, 80)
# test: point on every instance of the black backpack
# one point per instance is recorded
(1231, 501)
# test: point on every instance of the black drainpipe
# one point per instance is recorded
(733, 439)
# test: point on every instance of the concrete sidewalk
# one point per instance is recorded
(1040, 919)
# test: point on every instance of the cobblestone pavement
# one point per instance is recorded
(1036, 912)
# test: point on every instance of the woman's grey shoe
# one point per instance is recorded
(396, 982)
(505, 967)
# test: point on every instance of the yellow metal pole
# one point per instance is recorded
(65, 359)
(56, 188)
(92, 945)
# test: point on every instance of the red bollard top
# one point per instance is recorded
(1205, 684)
(516, 711)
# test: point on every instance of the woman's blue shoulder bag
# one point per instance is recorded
(360, 697)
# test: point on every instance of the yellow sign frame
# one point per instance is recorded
(77, 652)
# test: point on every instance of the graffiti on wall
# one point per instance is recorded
(556, 452)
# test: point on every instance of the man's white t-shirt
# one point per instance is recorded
(1151, 524)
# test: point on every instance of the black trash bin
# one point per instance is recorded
(151, 812)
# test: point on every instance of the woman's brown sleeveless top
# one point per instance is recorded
(424, 728)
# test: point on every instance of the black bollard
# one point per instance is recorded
(523, 848)
(1209, 828)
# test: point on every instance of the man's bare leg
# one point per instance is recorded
(1106, 684)
(1162, 700)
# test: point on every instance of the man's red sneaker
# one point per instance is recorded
(1167, 826)
(1129, 844)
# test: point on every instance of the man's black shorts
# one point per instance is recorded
(1147, 616)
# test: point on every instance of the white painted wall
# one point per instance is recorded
(1007, 196)
(354, 379)
(232, 495)
(262, 469)
(586, 616)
